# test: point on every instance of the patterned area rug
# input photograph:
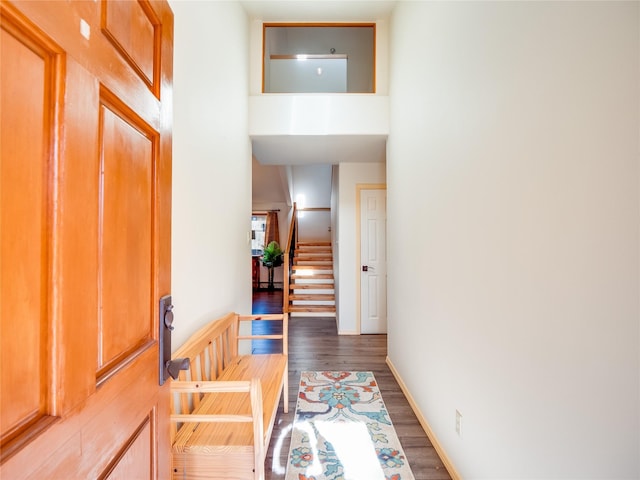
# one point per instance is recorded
(342, 431)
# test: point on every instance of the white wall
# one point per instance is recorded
(318, 114)
(313, 182)
(513, 218)
(211, 264)
(350, 175)
(335, 231)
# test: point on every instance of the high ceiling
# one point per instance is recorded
(271, 151)
(318, 10)
(319, 149)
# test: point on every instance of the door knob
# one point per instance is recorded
(365, 268)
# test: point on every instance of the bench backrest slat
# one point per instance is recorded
(210, 351)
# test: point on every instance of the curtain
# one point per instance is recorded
(272, 233)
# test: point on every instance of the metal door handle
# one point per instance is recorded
(168, 367)
(174, 366)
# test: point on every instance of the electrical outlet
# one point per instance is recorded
(458, 423)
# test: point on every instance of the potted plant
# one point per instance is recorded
(271, 258)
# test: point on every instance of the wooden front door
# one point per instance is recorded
(85, 200)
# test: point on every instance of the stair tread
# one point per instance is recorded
(311, 277)
(312, 267)
(325, 297)
(312, 308)
(316, 260)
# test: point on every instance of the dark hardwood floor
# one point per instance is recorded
(315, 345)
(267, 301)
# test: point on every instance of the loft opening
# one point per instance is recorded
(318, 58)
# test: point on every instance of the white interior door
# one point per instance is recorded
(373, 261)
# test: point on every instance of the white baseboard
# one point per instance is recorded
(425, 425)
(347, 332)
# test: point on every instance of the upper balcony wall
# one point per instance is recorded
(318, 114)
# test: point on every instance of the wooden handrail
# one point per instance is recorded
(291, 245)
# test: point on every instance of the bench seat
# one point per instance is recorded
(208, 437)
(224, 407)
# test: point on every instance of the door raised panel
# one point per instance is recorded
(133, 28)
(128, 148)
(373, 297)
(26, 86)
(372, 236)
(134, 461)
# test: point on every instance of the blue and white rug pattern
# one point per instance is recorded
(342, 431)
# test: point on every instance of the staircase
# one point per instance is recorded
(311, 286)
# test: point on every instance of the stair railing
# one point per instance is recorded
(288, 258)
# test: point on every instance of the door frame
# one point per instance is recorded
(359, 188)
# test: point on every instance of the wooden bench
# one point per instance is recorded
(224, 407)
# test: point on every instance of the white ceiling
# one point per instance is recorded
(318, 10)
(319, 149)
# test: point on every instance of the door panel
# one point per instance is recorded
(127, 148)
(373, 284)
(25, 257)
(373, 300)
(85, 232)
(134, 30)
(128, 464)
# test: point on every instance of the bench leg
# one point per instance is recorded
(285, 390)
(258, 429)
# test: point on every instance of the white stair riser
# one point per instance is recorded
(311, 263)
(312, 314)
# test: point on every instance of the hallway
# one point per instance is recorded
(315, 345)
